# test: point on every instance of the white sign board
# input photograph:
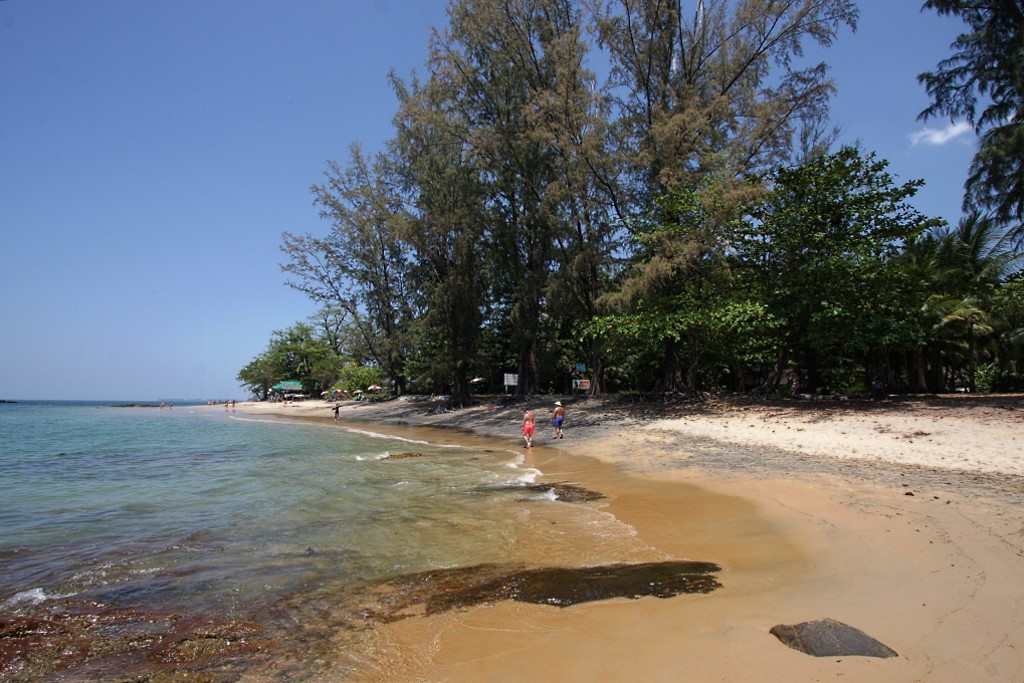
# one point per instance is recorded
(511, 379)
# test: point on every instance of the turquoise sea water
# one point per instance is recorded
(206, 510)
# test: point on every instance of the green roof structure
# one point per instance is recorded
(288, 385)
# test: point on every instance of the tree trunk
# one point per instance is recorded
(934, 375)
(527, 370)
(597, 383)
(919, 371)
(972, 367)
(775, 378)
(692, 376)
(460, 388)
(811, 365)
(667, 382)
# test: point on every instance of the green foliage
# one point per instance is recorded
(1008, 312)
(357, 377)
(803, 269)
(683, 314)
(360, 272)
(821, 249)
(702, 95)
(258, 376)
(296, 353)
(985, 71)
(985, 377)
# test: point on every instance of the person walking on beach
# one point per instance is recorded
(336, 406)
(559, 419)
(529, 426)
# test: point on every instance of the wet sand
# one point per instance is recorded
(938, 583)
(934, 575)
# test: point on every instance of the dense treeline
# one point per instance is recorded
(680, 224)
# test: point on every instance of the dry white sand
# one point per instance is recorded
(933, 434)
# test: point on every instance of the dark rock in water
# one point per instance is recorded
(830, 638)
(570, 493)
(446, 589)
(407, 455)
(564, 491)
(564, 587)
(204, 644)
(88, 641)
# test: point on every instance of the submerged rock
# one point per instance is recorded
(563, 491)
(406, 455)
(568, 493)
(78, 640)
(203, 644)
(564, 587)
(830, 638)
(461, 587)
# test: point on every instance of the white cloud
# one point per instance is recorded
(940, 136)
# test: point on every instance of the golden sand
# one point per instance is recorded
(937, 576)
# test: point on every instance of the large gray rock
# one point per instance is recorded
(830, 638)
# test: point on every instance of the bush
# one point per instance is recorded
(357, 377)
(985, 377)
(1008, 381)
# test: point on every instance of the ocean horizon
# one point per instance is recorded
(110, 402)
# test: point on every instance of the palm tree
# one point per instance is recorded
(926, 263)
(960, 270)
(983, 252)
(961, 317)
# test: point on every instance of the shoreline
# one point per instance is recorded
(743, 438)
(799, 537)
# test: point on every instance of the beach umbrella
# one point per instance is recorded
(477, 380)
(374, 387)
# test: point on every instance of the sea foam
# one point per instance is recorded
(549, 495)
(527, 477)
(33, 596)
(392, 437)
(376, 456)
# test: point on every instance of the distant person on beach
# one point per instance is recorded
(559, 419)
(529, 426)
(336, 407)
(877, 389)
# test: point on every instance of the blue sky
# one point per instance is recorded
(151, 154)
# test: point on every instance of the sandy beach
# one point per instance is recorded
(977, 434)
(901, 519)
